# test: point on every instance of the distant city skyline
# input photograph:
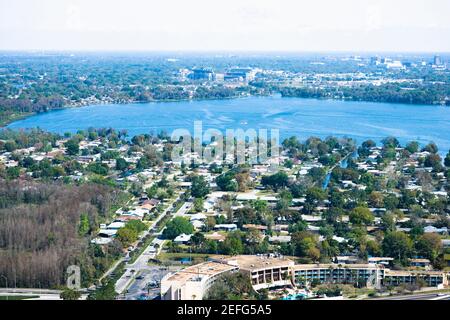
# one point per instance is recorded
(234, 25)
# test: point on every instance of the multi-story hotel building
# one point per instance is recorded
(265, 271)
(192, 282)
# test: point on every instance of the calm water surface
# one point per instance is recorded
(292, 116)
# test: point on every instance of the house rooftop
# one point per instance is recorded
(201, 270)
(407, 273)
(419, 260)
(336, 266)
(255, 262)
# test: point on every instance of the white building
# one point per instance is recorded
(183, 238)
(193, 282)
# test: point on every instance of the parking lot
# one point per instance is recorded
(147, 284)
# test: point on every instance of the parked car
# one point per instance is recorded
(143, 296)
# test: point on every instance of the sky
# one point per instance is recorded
(231, 25)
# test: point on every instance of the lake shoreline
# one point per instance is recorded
(301, 117)
(4, 124)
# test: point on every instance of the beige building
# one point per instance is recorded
(431, 278)
(192, 282)
(370, 275)
(266, 271)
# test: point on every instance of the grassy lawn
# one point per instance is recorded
(178, 205)
(176, 256)
(141, 249)
(351, 292)
(265, 193)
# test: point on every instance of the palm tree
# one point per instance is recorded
(301, 281)
(353, 276)
(331, 269)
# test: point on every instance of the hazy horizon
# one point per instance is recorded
(254, 26)
(223, 52)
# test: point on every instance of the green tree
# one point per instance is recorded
(70, 294)
(431, 147)
(231, 286)
(28, 162)
(391, 202)
(13, 172)
(361, 215)
(126, 236)
(106, 292)
(412, 147)
(388, 222)
(373, 248)
(447, 159)
(210, 222)
(10, 146)
(397, 245)
(200, 187)
(152, 192)
(315, 195)
(317, 174)
(83, 227)
(198, 239)
(136, 225)
(364, 150)
(284, 201)
(433, 160)
(72, 147)
(198, 204)
(390, 143)
(121, 164)
(245, 215)
(177, 226)
(306, 245)
(232, 245)
(275, 181)
(429, 245)
(98, 168)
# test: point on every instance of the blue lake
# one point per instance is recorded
(292, 116)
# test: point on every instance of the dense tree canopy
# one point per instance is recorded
(177, 226)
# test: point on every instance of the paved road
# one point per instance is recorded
(419, 296)
(29, 291)
(46, 296)
(114, 266)
(132, 270)
(151, 275)
(41, 296)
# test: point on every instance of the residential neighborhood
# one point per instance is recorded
(318, 204)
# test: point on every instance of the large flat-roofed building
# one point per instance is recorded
(370, 275)
(240, 74)
(202, 74)
(381, 260)
(431, 278)
(265, 271)
(192, 282)
(437, 61)
(269, 271)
